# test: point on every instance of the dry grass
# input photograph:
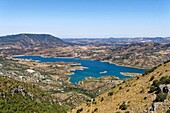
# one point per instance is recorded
(133, 91)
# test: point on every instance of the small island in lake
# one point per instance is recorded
(130, 74)
(103, 72)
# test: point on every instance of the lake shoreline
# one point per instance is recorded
(81, 59)
(97, 68)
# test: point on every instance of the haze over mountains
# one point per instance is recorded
(111, 41)
(47, 40)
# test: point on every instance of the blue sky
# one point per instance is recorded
(86, 18)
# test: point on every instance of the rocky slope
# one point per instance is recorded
(21, 97)
(21, 90)
(147, 93)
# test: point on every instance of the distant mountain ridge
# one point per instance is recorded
(142, 39)
(30, 40)
(117, 41)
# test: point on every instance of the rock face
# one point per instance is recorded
(29, 40)
(165, 88)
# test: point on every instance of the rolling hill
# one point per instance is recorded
(31, 40)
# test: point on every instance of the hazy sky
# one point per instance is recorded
(86, 18)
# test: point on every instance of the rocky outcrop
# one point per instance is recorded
(165, 88)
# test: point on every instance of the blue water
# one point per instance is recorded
(93, 70)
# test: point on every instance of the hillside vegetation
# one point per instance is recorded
(21, 97)
(147, 93)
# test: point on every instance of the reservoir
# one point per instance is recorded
(95, 68)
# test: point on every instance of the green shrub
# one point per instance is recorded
(110, 93)
(152, 77)
(102, 99)
(123, 106)
(160, 97)
(96, 109)
(142, 91)
(127, 112)
(94, 102)
(166, 61)
(167, 81)
(137, 77)
(168, 111)
(155, 83)
(149, 71)
(152, 89)
(113, 87)
(79, 110)
(164, 80)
